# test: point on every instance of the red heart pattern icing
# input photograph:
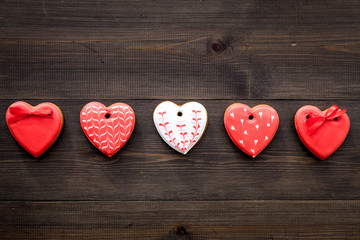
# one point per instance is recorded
(34, 128)
(322, 132)
(107, 128)
(181, 127)
(251, 129)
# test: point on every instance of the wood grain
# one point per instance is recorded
(181, 220)
(285, 53)
(154, 50)
(148, 169)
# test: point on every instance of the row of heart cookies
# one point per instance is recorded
(181, 127)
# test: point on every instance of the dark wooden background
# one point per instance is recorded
(283, 53)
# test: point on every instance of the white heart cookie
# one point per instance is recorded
(181, 127)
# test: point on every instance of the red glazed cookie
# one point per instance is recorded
(34, 128)
(322, 132)
(251, 129)
(107, 128)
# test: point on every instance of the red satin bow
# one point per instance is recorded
(20, 113)
(314, 122)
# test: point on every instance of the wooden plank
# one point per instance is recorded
(147, 169)
(283, 53)
(181, 220)
(185, 50)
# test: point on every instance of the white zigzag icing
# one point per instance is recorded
(97, 130)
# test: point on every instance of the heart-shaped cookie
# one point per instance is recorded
(251, 129)
(322, 132)
(181, 127)
(107, 128)
(34, 128)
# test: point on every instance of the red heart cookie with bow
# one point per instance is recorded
(322, 132)
(107, 128)
(251, 129)
(34, 128)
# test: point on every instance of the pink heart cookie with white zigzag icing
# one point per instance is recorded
(107, 128)
(181, 127)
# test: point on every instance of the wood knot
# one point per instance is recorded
(218, 45)
(130, 225)
(181, 231)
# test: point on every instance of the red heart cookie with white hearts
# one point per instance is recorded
(251, 129)
(181, 127)
(322, 132)
(107, 128)
(34, 128)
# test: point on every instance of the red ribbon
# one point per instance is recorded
(20, 113)
(314, 122)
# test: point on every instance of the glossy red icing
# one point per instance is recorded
(251, 129)
(107, 128)
(328, 135)
(34, 128)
